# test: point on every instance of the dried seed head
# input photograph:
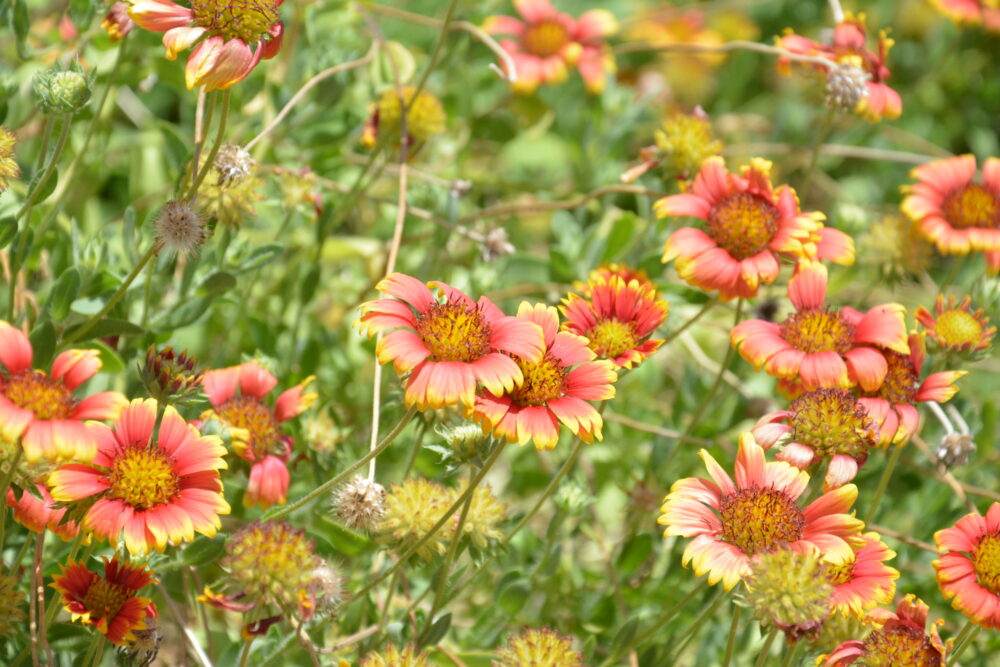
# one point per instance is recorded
(179, 228)
(846, 85)
(955, 449)
(495, 245)
(141, 651)
(233, 164)
(327, 587)
(360, 503)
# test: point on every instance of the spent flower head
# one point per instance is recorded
(233, 164)
(11, 600)
(685, 141)
(178, 228)
(846, 86)
(360, 503)
(539, 647)
(788, 590)
(9, 168)
(412, 507)
(410, 656)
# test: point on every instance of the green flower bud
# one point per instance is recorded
(62, 91)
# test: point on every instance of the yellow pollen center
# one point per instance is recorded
(247, 412)
(758, 519)
(818, 330)
(610, 338)
(35, 391)
(986, 560)
(143, 477)
(958, 327)
(972, 206)
(840, 574)
(899, 644)
(454, 331)
(246, 20)
(743, 224)
(832, 422)
(545, 39)
(104, 599)
(543, 382)
(901, 382)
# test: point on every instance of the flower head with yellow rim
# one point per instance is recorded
(862, 581)
(971, 12)
(955, 326)
(968, 566)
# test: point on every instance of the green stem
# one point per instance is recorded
(436, 53)
(962, 639)
(205, 125)
(327, 486)
(245, 655)
(43, 150)
(219, 135)
(717, 383)
(731, 642)
(115, 298)
(49, 168)
(765, 650)
(570, 460)
(824, 132)
(448, 559)
(791, 653)
(88, 658)
(20, 554)
(883, 482)
(694, 318)
(668, 615)
(99, 654)
(3, 489)
(692, 630)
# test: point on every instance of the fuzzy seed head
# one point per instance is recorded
(496, 244)
(955, 449)
(179, 228)
(788, 589)
(360, 503)
(846, 86)
(233, 164)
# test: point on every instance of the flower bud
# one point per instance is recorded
(117, 23)
(170, 377)
(62, 91)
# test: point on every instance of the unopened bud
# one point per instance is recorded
(62, 91)
(170, 377)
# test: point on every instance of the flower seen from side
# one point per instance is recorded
(39, 513)
(971, 12)
(237, 396)
(538, 646)
(148, 492)
(40, 409)
(446, 343)
(748, 227)
(546, 43)
(232, 36)
(117, 22)
(863, 581)
(821, 346)
(955, 326)
(968, 566)
(732, 519)
(554, 391)
(617, 318)
(107, 602)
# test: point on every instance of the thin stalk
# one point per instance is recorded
(439, 596)
(220, 134)
(546, 493)
(668, 615)
(88, 658)
(201, 125)
(884, 481)
(765, 650)
(436, 53)
(824, 132)
(38, 581)
(694, 318)
(791, 653)
(692, 631)
(3, 489)
(99, 655)
(962, 640)
(731, 642)
(327, 486)
(115, 298)
(49, 168)
(717, 383)
(245, 655)
(20, 554)
(43, 150)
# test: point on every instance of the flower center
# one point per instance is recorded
(610, 338)
(986, 560)
(818, 330)
(958, 327)
(545, 39)
(543, 382)
(104, 599)
(840, 574)
(143, 477)
(35, 391)
(246, 20)
(832, 422)
(972, 206)
(249, 413)
(743, 224)
(454, 331)
(757, 519)
(901, 382)
(899, 645)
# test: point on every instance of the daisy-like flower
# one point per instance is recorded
(485, 512)
(108, 603)
(955, 326)
(954, 212)
(900, 638)
(237, 397)
(555, 390)
(971, 12)
(150, 492)
(448, 343)
(849, 47)
(617, 318)
(538, 646)
(732, 521)
(748, 226)
(41, 409)
(821, 346)
(547, 43)
(821, 424)
(39, 513)
(235, 35)
(605, 272)
(968, 568)
(863, 581)
(893, 404)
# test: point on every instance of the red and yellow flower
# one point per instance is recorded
(148, 492)
(955, 326)
(849, 46)
(954, 212)
(448, 343)
(108, 603)
(617, 318)
(731, 521)
(555, 389)
(237, 34)
(237, 397)
(823, 347)
(863, 581)
(41, 410)
(893, 404)
(821, 424)
(748, 226)
(39, 513)
(971, 12)
(968, 568)
(547, 43)
(900, 638)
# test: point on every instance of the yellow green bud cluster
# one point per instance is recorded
(393, 657)
(539, 647)
(789, 590)
(686, 141)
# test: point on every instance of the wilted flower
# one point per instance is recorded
(410, 656)
(846, 86)
(898, 639)
(233, 164)
(539, 647)
(412, 507)
(117, 23)
(955, 449)
(360, 503)
(495, 244)
(179, 228)
(40, 513)
(9, 168)
(788, 590)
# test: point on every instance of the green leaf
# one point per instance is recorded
(203, 550)
(623, 638)
(513, 598)
(438, 630)
(8, 230)
(634, 554)
(309, 285)
(261, 256)
(43, 342)
(218, 283)
(64, 293)
(342, 539)
(184, 314)
(21, 22)
(109, 327)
